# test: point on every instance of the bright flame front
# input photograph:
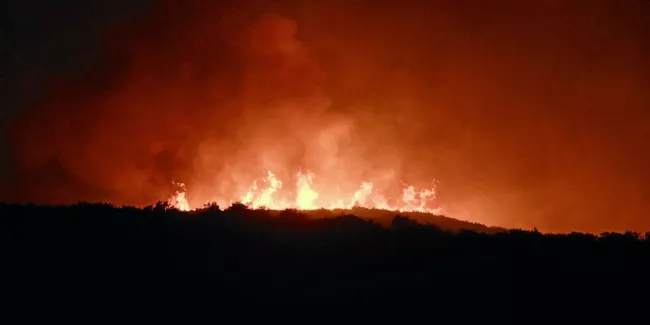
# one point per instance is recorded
(266, 193)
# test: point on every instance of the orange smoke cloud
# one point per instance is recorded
(177, 113)
(528, 114)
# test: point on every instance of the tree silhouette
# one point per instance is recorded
(250, 253)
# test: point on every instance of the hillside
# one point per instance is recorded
(289, 257)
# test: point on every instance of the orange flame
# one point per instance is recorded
(266, 193)
(179, 200)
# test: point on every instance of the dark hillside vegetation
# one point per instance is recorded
(287, 256)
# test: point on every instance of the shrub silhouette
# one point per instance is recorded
(250, 253)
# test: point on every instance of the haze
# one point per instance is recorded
(528, 114)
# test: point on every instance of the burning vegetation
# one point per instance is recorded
(517, 114)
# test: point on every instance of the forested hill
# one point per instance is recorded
(286, 256)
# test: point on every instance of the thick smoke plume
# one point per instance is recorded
(530, 114)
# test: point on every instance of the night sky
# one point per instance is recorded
(42, 40)
(529, 114)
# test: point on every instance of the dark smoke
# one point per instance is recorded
(530, 114)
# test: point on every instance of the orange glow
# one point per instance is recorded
(528, 113)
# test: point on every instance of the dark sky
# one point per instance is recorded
(45, 39)
(529, 113)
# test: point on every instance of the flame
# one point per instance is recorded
(179, 200)
(267, 193)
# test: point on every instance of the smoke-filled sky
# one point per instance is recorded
(527, 113)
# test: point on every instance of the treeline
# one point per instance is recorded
(293, 257)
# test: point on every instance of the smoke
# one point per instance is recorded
(530, 114)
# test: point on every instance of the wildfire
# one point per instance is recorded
(267, 192)
(179, 200)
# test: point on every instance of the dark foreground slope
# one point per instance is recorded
(259, 256)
